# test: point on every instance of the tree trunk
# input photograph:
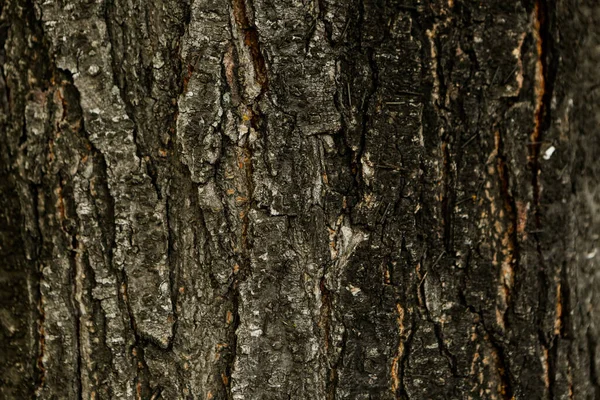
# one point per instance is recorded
(318, 199)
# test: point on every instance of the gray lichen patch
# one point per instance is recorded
(140, 244)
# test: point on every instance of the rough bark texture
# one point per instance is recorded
(286, 199)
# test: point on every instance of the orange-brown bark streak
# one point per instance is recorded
(251, 118)
(397, 360)
(250, 35)
(540, 93)
(509, 235)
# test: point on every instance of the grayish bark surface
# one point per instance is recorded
(318, 199)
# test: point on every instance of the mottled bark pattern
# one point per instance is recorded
(317, 199)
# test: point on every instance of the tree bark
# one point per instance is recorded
(319, 199)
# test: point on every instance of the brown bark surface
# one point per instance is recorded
(299, 199)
